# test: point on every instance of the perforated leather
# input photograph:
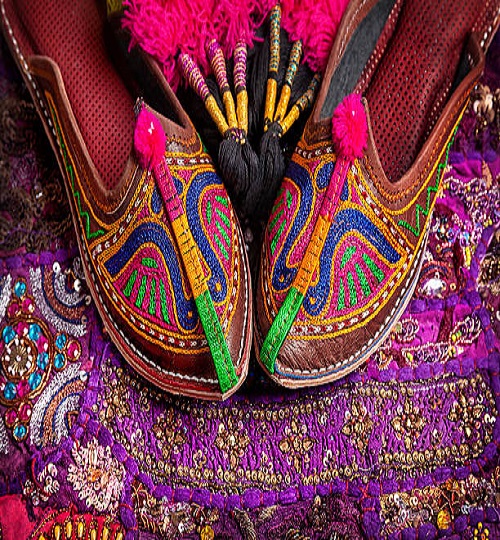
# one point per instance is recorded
(70, 33)
(414, 78)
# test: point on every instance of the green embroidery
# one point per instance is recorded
(341, 298)
(275, 220)
(276, 238)
(142, 292)
(222, 200)
(216, 341)
(221, 247)
(365, 286)
(289, 199)
(152, 298)
(224, 218)
(280, 328)
(431, 189)
(209, 212)
(353, 297)
(375, 270)
(130, 284)
(346, 257)
(223, 232)
(148, 262)
(69, 169)
(163, 303)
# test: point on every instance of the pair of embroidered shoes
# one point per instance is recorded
(162, 248)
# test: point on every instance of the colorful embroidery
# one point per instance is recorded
(96, 476)
(40, 374)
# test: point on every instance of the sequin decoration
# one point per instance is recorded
(61, 296)
(5, 292)
(29, 354)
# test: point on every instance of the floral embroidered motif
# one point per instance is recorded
(96, 476)
(45, 485)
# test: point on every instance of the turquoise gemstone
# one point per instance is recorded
(59, 361)
(34, 380)
(35, 331)
(8, 334)
(61, 340)
(9, 391)
(20, 289)
(20, 432)
(42, 360)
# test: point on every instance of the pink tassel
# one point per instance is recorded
(349, 128)
(149, 139)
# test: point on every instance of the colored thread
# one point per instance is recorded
(163, 299)
(142, 292)
(301, 104)
(286, 91)
(430, 189)
(240, 82)
(274, 59)
(191, 259)
(365, 286)
(197, 82)
(222, 200)
(69, 169)
(148, 262)
(353, 297)
(218, 346)
(152, 298)
(218, 63)
(348, 253)
(223, 233)
(276, 238)
(221, 246)
(276, 335)
(130, 284)
(375, 270)
(341, 298)
(209, 212)
(224, 218)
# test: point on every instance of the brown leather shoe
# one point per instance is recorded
(415, 63)
(140, 258)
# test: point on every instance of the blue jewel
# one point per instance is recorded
(8, 334)
(20, 432)
(42, 360)
(59, 361)
(61, 341)
(9, 391)
(35, 331)
(20, 289)
(34, 380)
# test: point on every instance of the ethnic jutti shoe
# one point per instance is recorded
(162, 249)
(345, 241)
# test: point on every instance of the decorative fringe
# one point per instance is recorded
(276, 121)
(163, 28)
(315, 22)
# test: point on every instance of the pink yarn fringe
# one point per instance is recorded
(165, 27)
(315, 22)
(349, 128)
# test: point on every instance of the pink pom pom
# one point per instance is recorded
(149, 139)
(349, 128)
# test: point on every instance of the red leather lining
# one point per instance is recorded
(70, 33)
(414, 78)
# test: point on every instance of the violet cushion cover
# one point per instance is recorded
(408, 446)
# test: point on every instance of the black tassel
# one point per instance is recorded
(239, 166)
(272, 165)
